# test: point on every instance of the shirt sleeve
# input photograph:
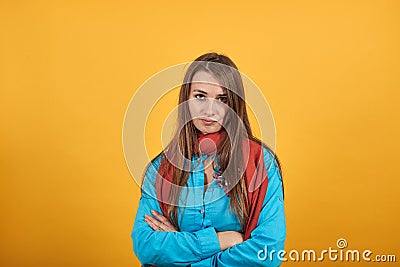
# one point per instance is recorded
(266, 243)
(161, 248)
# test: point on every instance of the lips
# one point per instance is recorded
(208, 121)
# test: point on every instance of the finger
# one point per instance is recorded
(162, 218)
(168, 226)
(151, 224)
(170, 229)
(156, 225)
(154, 221)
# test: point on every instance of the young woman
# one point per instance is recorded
(214, 196)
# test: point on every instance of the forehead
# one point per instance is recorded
(206, 82)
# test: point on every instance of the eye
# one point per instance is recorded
(200, 97)
(223, 99)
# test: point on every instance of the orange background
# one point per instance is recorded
(329, 69)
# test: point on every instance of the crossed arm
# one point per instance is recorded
(156, 241)
(226, 239)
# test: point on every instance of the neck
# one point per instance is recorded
(209, 143)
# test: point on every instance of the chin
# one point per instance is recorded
(207, 129)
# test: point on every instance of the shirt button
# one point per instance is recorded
(201, 211)
(210, 189)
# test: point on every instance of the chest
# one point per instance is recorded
(203, 204)
(208, 176)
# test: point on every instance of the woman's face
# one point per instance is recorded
(207, 103)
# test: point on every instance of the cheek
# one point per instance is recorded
(194, 109)
(222, 111)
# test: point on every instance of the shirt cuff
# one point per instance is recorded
(209, 242)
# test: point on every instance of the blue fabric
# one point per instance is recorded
(205, 214)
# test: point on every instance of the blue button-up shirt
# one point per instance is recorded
(201, 215)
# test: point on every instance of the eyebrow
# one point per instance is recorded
(204, 92)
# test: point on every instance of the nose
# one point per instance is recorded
(209, 109)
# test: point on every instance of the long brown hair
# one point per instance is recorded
(185, 140)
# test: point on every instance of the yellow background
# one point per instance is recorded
(68, 69)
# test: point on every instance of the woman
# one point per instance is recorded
(214, 196)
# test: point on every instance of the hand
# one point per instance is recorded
(228, 239)
(159, 223)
